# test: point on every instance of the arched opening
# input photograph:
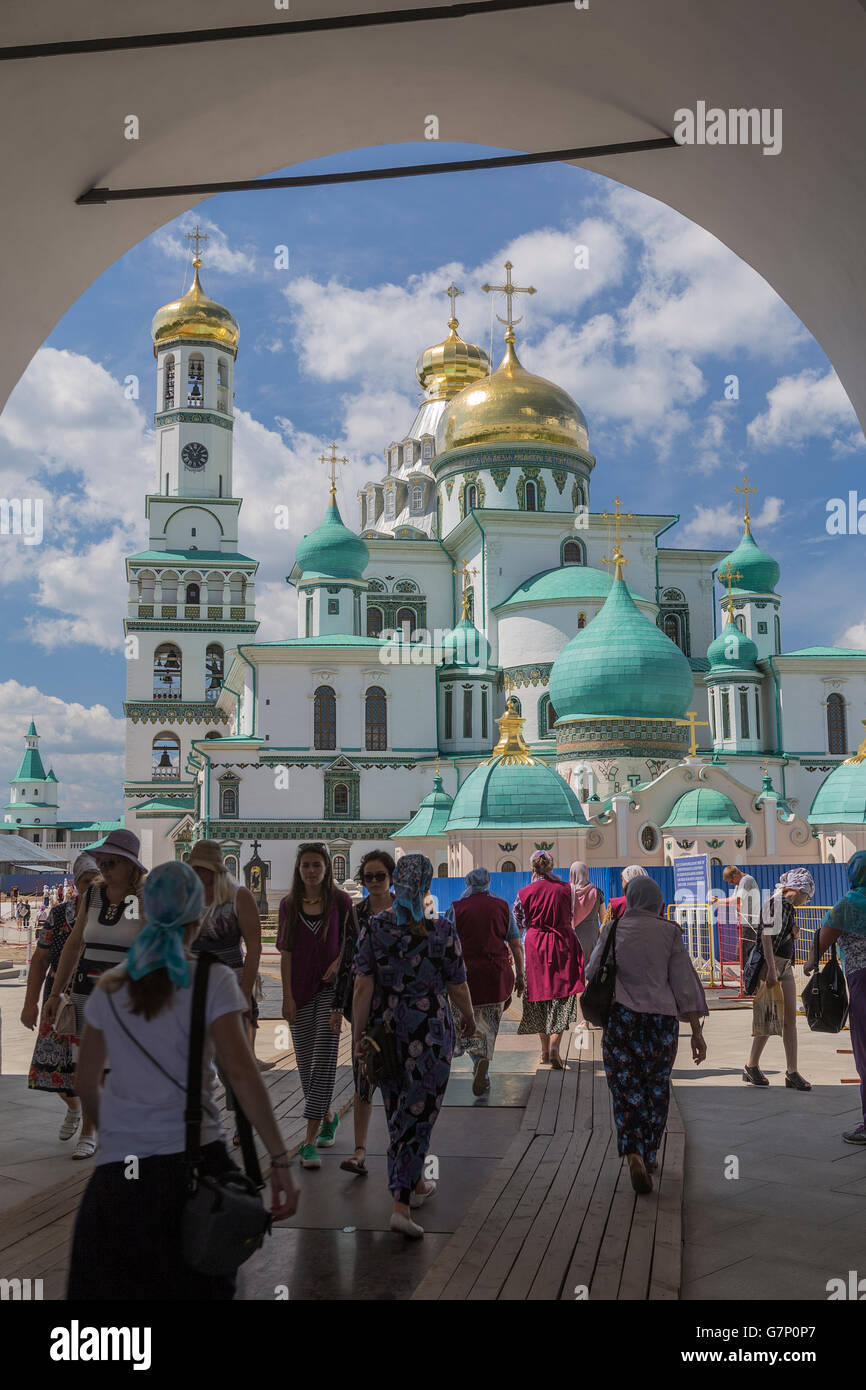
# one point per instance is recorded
(223, 385)
(165, 758)
(338, 865)
(168, 383)
(407, 621)
(228, 801)
(375, 622)
(837, 730)
(376, 719)
(324, 718)
(193, 594)
(672, 628)
(546, 718)
(167, 672)
(530, 497)
(195, 380)
(571, 553)
(508, 866)
(471, 498)
(214, 666)
(341, 799)
(231, 863)
(417, 497)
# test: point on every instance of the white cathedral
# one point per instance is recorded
(487, 666)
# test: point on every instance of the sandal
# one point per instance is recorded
(556, 1061)
(545, 1059)
(356, 1165)
(796, 1082)
(85, 1148)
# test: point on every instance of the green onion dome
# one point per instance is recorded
(732, 650)
(332, 551)
(621, 664)
(841, 798)
(759, 572)
(466, 646)
(703, 806)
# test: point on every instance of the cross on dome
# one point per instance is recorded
(332, 463)
(745, 489)
(617, 559)
(729, 577)
(197, 235)
(465, 573)
(509, 289)
(452, 293)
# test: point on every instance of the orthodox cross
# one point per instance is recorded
(617, 559)
(197, 235)
(256, 845)
(332, 463)
(452, 293)
(745, 490)
(728, 577)
(465, 572)
(693, 722)
(509, 290)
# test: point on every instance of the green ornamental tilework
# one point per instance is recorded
(193, 417)
(621, 664)
(759, 571)
(500, 476)
(332, 549)
(841, 798)
(515, 677)
(624, 731)
(531, 475)
(470, 479)
(560, 477)
(449, 488)
(299, 830)
(508, 795)
(703, 806)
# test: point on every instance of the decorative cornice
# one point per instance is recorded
(515, 677)
(193, 417)
(178, 625)
(303, 830)
(157, 712)
(166, 791)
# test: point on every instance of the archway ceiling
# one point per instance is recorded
(526, 80)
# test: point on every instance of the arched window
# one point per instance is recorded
(214, 666)
(417, 497)
(375, 622)
(471, 498)
(579, 495)
(195, 380)
(546, 717)
(231, 863)
(213, 734)
(324, 718)
(341, 799)
(715, 863)
(726, 713)
(223, 385)
(193, 593)
(338, 866)
(407, 616)
(581, 621)
(778, 631)
(837, 731)
(228, 801)
(531, 497)
(167, 672)
(442, 871)
(518, 708)
(165, 758)
(376, 719)
(757, 713)
(672, 628)
(508, 866)
(743, 691)
(572, 553)
(741, 623)
(168, 387)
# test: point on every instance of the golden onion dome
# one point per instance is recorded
(194, 315)
(512, 406)
(445, 368)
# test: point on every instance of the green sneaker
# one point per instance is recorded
(309, 1157)
(326, 1138)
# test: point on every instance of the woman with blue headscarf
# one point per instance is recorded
(846, 923)
(127, 1241)
(407, 968)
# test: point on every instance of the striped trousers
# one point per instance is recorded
(316, 1053)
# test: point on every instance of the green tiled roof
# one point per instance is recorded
(703, 806)
(200, 557)
(181, 804)
(332, 550)
(570, 581)
(466, 646)
(621, 664)
(431, 817)
(30, 769)
(504, 795)
(698, 663)
(841, 798)
(732, 650)
(759, 572)
(31, 732)
(827, 651)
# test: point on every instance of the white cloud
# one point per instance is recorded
(216, 252)
(806, 406)
(854, 636)
(84, 744)
(716, 527)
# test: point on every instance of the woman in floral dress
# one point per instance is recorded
(407, 967)
(55, 1057)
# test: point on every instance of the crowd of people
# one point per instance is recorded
(116, 961)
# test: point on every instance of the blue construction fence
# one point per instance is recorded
(831, 882)
(28, 884)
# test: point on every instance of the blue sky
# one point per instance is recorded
(643, 338)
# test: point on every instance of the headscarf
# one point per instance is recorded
(583, 893)
(633, 871)
(412, 878)
(800, 880)
(84, 864)
(644, 895)
(173, 897)
(541, 863)
(477, 881)
(850, 914)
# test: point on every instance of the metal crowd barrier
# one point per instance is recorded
(716, 943)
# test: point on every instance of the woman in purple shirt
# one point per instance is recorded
(312, 925)
(656, 986)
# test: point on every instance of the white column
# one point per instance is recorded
(620, 807)
(770, 807)
(157, 597)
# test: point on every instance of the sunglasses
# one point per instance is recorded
(374, 878)
(110, 863)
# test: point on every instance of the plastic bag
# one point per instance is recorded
(768, 1011)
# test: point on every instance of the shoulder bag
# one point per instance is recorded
(224, 1220)
(825, 998)
(597, 998)
(381, 1060)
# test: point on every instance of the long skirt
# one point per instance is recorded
(857, 1023)
(412, 1105)
(316, 1050)
(54, 1061)
(127, 1240)
(639, 1052)
(483, 1042)
(549, 1015)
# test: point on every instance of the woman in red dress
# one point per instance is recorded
(554, 960)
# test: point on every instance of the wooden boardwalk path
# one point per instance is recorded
(35, 1237)
(558, 1219)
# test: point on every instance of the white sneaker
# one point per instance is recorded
(71, 1121)
(85, 1148)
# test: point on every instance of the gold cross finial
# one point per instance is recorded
(509, 289)
(745, 490)
(452, 293)
(693, 722)
(465, 573)
(332, 464)
(197, 235)
(728, 578)
(617, 559)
